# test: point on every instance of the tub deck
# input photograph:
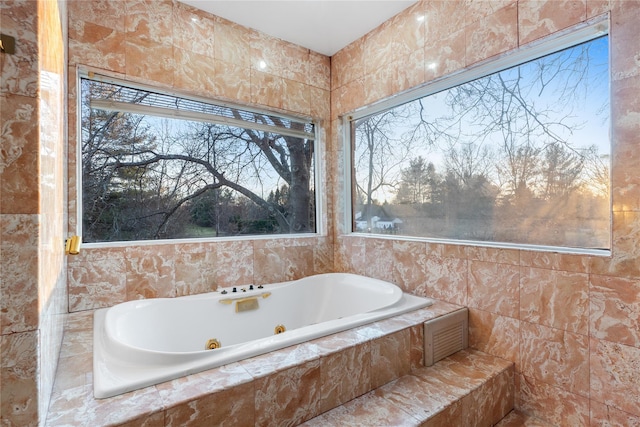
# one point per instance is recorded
(286, 387)
(142, 343)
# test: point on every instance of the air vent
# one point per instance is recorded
(445, 335)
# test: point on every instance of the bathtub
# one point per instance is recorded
(146, 342)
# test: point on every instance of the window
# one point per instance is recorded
(161, 166)
(518, 156)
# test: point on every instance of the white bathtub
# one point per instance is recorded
(145, 342)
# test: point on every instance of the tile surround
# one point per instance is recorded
(495, 334)
(517, 419)
(526, 304)
(19, 185)
(201, 54)
(492, 34)
(559, 406)
(615, 374)
(604, 321)
(337, 388)
(468, 388)
(603, 415)
(284, 387)
(18, 368)
(615, 309)
(538, 18)
(494, 287)
(19, 245)
(32, 205)
(20, 70)
(555, 298)
(555, 356)
(626, 185)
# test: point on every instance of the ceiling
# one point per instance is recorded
(323, 26)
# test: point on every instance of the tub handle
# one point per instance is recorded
(228, 301)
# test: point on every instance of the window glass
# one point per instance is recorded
(159, 166)
(519, 156)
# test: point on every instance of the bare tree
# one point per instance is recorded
(511, 145)
(163, 167)
(379, 151)
(468, 161)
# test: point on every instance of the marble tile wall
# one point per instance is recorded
(570, 323)
(102, 277)
(52, 282)
(32, 207)
(171, 45)
(588, 355)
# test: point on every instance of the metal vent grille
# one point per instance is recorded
(445, 335)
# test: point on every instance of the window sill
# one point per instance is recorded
(495, 245)
(130, 243)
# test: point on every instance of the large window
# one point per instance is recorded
(161, 166)
(519, 156)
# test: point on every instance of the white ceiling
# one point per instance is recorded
(323, 26)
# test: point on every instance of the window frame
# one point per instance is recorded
(590, 30)
(318, 169)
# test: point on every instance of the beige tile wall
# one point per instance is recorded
(32, 207)
(556, 346)
(570, 323)
(172, 45)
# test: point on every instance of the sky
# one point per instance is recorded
(569, 87)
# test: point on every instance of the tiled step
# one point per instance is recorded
(469, 388)
(518, 419)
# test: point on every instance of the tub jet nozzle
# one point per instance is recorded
(212, 344)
